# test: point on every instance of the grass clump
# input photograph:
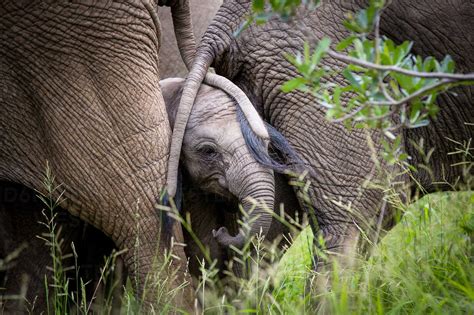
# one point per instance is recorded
(423, 266)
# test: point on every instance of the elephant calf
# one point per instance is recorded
(221, 167)
(218, 159)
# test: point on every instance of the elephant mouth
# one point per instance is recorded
(228, 203)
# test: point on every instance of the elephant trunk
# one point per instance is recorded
(198, 73)
(193, 82)
(254, 186)
(183, 30)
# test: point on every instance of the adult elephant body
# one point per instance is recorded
(340, 160)
(79, 90)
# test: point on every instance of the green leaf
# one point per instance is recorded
(321, 50)
(448, 64)
(429, 64)
(405, 81)
(420, 123)
(362, 19)
(337, 95)
(371, 13)
(415, 110)
(359, 49)
(353, 79)
(306, 52)
(406, 47)
(352, 26)
(293, 84)
(345, 43)
(258, 5)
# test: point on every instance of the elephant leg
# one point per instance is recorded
(103, 272)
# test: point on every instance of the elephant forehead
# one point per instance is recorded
(212, 107)
(218, 129)
(223, 134)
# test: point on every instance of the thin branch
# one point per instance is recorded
(350, 115)
(401, 102)
(380, 221)
(377, 38)
(397, 127)
(428, 75)
(387, 114)
(417, 94)
(385, 92)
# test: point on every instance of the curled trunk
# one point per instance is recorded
(254, 186)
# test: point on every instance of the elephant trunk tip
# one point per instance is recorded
(224, 239)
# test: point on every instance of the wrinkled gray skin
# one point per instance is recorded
(79, 89)
(217, 158)
(341, 159)
(202, 13)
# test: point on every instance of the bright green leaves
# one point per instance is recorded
(384, 85)
(343, 44)
(287, 8)
(391, 54)
(363, 22)
(385, 93)
(294, 84)
(307, 64)
(322, 48)
(258, 5)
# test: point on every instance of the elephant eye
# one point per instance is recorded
(207, 150)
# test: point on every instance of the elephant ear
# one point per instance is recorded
(171, 89)
(198, 73)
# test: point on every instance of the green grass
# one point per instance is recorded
(422, 266)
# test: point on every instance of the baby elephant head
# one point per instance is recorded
(218, 159)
